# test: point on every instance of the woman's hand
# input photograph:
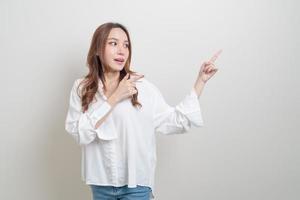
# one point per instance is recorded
(126, 87)
(208, 69)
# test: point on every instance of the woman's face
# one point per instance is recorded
(116, 50)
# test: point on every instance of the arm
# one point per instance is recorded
(123, 91)
(112, 100)
(95, 122)
(82, 126)
(177, 119)
(198, 86)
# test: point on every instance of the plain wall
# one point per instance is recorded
(249, 146)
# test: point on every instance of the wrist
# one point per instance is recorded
(198, 86)
(113, 100)
(199, 82)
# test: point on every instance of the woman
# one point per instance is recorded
(114, 113)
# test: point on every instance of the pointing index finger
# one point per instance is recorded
(135, 77)
(214, 58)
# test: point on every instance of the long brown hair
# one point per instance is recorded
(95, 64)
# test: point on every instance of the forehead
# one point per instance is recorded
(117, 34)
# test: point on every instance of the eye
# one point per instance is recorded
(126, 45)
(112, 43)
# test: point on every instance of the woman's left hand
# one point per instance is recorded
(208, 69)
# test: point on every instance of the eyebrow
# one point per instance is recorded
(115, 39)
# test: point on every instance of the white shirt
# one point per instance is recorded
(122, 150)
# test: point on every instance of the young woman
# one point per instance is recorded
(114, 114)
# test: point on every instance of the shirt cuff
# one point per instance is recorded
(190, 107)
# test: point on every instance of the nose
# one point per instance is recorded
(121, 50)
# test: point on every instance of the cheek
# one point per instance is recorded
(127, 53)
(109, 53)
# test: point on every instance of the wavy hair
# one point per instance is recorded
(97, 67)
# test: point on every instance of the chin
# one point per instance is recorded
(117, 68)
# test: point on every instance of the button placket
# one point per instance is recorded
(110, 160)
(113, 163)
(111, 150)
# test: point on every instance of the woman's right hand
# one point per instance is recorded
(126, 88)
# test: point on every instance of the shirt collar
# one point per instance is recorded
(100, 89)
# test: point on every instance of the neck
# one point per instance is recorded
(112, 76)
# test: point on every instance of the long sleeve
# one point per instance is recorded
(177, 119)
(81, 126)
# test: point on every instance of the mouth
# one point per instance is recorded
(119, 61)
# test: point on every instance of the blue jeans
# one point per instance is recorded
(120, 193)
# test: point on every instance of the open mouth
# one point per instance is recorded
(119, 60)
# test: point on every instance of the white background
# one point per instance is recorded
(249, 146)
